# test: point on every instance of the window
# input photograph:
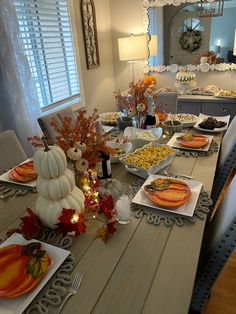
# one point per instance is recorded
(47, 36)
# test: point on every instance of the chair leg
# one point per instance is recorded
(193, 312)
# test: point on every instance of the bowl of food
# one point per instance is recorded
(109, 118)
(120, 150)
(124, 122)
(149, 159)
(141, 137)
(171, 126)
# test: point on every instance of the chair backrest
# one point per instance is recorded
(11, 151)
(227, 160)
(167, 101)
(218, 243)
(45, 121)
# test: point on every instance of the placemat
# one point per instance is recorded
(52, 295)
(187, 153)
(155, 216)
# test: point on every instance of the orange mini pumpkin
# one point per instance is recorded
(151, 80)
(21, 268)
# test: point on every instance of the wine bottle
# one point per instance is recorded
(103, 167)
(150, 120)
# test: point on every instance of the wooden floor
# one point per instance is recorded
(223, 293)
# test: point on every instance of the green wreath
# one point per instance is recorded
(190, 40)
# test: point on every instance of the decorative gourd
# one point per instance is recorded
(185, 77)
(57, 188)
(50, 162)
(49, 210)
(74, 153)
(112, 187)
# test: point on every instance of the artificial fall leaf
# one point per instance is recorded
(30, 225)
(107, 206)
(66, 216)
(111, 227)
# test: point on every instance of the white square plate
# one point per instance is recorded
(187, 209)
(18, 305)
(203, 117)
(5, 177)
(173, 142)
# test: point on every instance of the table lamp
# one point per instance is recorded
(136, 47)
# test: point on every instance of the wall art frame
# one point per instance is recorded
(174, 68)
(90, 33)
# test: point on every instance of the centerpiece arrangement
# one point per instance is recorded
(65, 204)
(133, 103)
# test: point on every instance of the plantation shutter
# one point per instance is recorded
(46, 33)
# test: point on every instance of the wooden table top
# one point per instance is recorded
(142, 268)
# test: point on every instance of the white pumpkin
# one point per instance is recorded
(49, 210)
(50, 162)
(74, 153)
(55, 189)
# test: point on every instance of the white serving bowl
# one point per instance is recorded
(126, 147)
(141, 137)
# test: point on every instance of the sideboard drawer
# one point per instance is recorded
(219, 109)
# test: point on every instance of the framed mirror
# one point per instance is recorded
(187, 41)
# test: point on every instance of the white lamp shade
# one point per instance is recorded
(153, 45)
(132, 48)
(235, 43)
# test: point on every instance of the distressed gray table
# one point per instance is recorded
(142, 268)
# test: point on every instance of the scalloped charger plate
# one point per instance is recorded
(185, 210)
(18, 305)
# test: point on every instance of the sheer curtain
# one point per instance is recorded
(21, 91)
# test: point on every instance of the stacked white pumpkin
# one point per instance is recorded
(55, 186)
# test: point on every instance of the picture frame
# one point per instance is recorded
(90, 33)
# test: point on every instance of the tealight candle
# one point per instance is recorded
(123, 209)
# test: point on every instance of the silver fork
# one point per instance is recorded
(73, 289)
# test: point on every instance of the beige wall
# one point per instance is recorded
(98, 83)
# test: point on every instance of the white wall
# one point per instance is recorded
(126, 18)
(99, 82)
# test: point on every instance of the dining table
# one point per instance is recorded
(143, 267)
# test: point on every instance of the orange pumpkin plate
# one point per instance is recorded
(22, 267)
(193, 140)
(23, 173)
(168, 193)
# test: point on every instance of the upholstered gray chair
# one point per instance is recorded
(11, 151)
(227, 160)
(218, 243)
(45, 122)
(167, 101)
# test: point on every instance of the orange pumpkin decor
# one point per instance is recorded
(193, 140)
(168, 193)
(151, 80)
(21, 268)
(23, 173)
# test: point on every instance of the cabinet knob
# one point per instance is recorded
(224, 110)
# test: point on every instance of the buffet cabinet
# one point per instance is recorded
(207, 105)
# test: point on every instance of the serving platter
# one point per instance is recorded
(186, 210)
(173, 142)
(5, 177)
(109, 118)
(18, 305)
(145, 172)
(186, 119)
(203, 117)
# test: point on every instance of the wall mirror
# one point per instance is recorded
(184, 37)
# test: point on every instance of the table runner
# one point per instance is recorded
(155, 216)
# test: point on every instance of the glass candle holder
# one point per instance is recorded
(123, 210)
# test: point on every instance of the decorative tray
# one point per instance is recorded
(149, 159)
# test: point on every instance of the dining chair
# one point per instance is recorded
(45, 122)
(226, 162)
(11, 151)
(218, 243)
(166, 101)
